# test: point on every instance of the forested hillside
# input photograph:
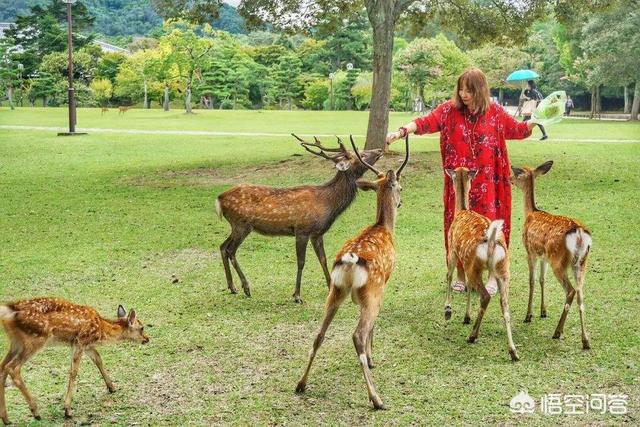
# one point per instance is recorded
(122, 17)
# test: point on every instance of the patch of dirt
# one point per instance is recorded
(297, 165)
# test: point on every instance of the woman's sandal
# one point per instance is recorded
(458, 286)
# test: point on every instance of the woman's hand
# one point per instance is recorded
(393, 136)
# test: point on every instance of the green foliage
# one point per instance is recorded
(316, 93)
(283, 80)
(498, 62)
(42, 86)
(102, 90)
(197, 12)
(109, 64)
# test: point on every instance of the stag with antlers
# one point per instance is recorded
(306, 212)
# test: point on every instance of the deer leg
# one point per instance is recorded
(531, 260)
(561, 274)
(452, 261)
(335, 298)
(301, 252)
(368, 314)
(579, 273)
(484, 302)
(239, 234)
(318, 247)
(467, 314)
(370, 348)
(503, 286)
(95, 357)
(14, 368)
(543, 273)
(73, 373)
(4, 372)
(225, 264)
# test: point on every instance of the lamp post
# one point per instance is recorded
(71, 91)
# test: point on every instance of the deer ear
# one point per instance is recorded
(451, 173)
(544, 168)
(472, 174)
(131, 319)
(343, 165)
(121, 311)
(517, 171)
(365, 185)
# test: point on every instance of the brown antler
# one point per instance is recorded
(322, 148)
(406, 158)
(355, 149)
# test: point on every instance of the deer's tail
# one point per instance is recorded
(6, 313)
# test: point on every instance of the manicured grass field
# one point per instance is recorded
(112, 218)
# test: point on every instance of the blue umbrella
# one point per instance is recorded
(522, 75)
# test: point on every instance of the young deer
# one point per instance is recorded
(306, 212)
(361, 269)
(557, 240)
(122, 109)
(103, 110)
(479, 244)
(33, 324)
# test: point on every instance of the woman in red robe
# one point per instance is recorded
(473, 131)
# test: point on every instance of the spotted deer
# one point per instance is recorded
(123, 109)
(479, 244)
(103, 110)
(306, 212)
(555, 240)
(33, 324)
(361, 269)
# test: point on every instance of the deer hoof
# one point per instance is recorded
(68, 414)
(447, 313)
(514, 355)
(528, 318)
(6, 421)
(233, 290)
(301, 388)
(247, 292)
(586, 345)
(556, 335)
(299, 300)
(543, 314)
(466, 320)
(111, 388)
(472, 339)
(377, 403)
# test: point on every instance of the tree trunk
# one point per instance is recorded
(146, 97)
(382, 18)
(210, 102)
(10, 97)
(598, 100)
(289, 102)
(627, 101)
(187, 102)
(592, 113)
(500, 95)
(44, 101)
(635, 108)
(165, 102)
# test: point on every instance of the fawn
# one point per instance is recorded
(557, 240)
(34, 324)
(479, 244)
(103, 110)
(361, 269)
(122, 109)
(306, 212)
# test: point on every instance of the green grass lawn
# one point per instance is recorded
(111, 218)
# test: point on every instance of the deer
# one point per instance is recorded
(123, 109)
(362, 269)
(306, 212)
(559, 241)
(479, 244)
(33, 324)
(103, 110)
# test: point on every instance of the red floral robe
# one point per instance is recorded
(476, 143)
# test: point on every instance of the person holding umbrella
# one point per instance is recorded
(473, 131)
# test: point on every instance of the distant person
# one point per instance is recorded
(532, 97)
(473, 131)
(568, 106)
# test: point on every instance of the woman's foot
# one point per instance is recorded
(544, 137)
(492, 286)
(458, 286)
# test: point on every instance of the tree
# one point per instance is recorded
(188, 53)
(420, 62)
(10, 70)
(136, 74)
(283, 78)
(316, 94)
(102, 90)
(42, 87)
(498, 62)
(197, 12)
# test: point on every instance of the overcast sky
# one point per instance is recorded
(232, 2)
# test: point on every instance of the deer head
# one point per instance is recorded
(522, 176)
(461, 178)
(387, 186)
(343, 160)
(133, 329)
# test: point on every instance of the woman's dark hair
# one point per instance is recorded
(475, 81)
(531, 84)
